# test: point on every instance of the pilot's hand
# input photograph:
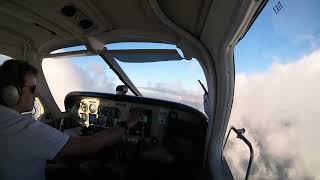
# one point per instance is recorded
(134, 116)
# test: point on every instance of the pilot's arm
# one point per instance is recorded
(78, 145)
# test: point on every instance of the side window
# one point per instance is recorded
(37, 110)
(277, 66)
(4, 58)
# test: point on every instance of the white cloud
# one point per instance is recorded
(280, 110)
(176, 92)
(64, 76)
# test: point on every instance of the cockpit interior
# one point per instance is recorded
(171, 140)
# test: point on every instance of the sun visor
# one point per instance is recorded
(146, 55)
(132, 55)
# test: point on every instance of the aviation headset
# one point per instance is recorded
(10, 91)
(10, 94)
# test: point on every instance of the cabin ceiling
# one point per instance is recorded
(61, 23)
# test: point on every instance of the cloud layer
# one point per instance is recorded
(280, 110)
(175, 91)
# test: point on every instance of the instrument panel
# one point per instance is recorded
(167, 132)
(109, 114)
(160, 122)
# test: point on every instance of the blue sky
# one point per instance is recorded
(282, 37)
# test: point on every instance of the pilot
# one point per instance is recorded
(26, 144)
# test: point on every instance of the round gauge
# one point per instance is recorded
(83, 116)
(92, 108)
(83, 107)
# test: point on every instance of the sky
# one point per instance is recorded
(276, 91)
(282, 37)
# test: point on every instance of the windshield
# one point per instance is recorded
(174, 80)
(277, 93)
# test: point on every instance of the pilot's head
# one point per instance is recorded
(18, 85)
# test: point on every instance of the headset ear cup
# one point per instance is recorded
(10, 95)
